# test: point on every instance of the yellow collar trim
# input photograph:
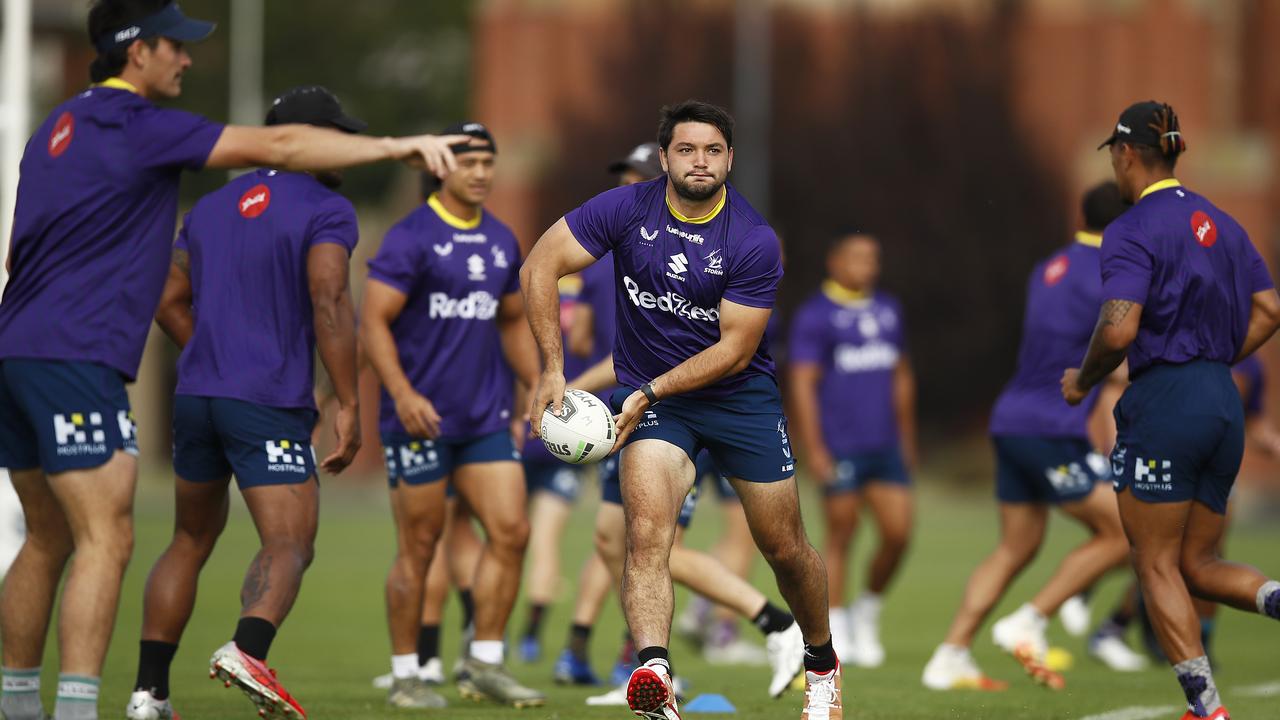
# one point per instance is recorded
(724, 195)
(1088, 238)
(838, 293)
(118, 84)
(1161, 185)
(450, 218)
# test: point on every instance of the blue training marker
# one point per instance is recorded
(710, 703)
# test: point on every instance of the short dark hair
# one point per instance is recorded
(109, 15)
(1101, 205)
(849, 235)
(693, 111)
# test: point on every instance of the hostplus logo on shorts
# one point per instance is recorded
(1147, 479)
(79, 434)
(416, 457)
(286, 456)
(1070, 478)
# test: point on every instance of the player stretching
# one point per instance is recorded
(244, 402)
(92, 239)
(698, 271)
(854, 394)
(1043, 458)
(1187, 295)
(443, 304)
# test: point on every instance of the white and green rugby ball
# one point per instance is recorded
(583, 432)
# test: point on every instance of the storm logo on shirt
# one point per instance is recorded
(286, 456)
(478, 305)
(79, 434)
(670, 302)
(60, 138)
(1202, 225)
(255, 201)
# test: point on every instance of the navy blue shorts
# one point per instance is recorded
(417, 462)
(61, 416)
(746, 433)
(1050, 470)
(553, 476)
(853, 472)
(1180, 435)
(611, 484)
(214, 438)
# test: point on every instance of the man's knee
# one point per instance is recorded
(783, 549)
(509, 535)
(1017, 552)
(895, 541)
(418, 545)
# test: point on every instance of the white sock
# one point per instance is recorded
(404, 667)
(870, 600)
(77, 698)
(487, 651)
(1029, 612)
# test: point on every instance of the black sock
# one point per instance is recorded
(1121, 618)
(154, 658)
(655, 652)
(820, 658)
(772, 619)
(579, 638)
(534, 628)
(468, 608)
(253, 637)
(428, 643)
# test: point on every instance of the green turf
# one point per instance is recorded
(335, 640)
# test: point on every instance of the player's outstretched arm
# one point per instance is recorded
(334, 318)
(1116, 330)
(802, 382)
(556, 254)
(382, 305)
(305, 147)
(174, 312)
(1264, 320)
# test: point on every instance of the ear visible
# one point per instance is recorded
(730, 168)
(662, 159)
(138, 53)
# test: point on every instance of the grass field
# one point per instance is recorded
(335, 640)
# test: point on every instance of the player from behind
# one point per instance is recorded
(92, 239)
(854, 395)
(257, 285)
(441, 311)
(698, 271)
(1043, 459)
(1186, 296)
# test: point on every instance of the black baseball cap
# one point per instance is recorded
(643, 160)
(1146, 123)
(312, 105)
(168, 22)
(475, 130)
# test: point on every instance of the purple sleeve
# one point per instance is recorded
(174, 139)
(512, 285)
(396, 263)
(1126, 266)
(596, 223)
(335, 222)
(182, 243)
(755, 270)
(1259, 276)
(808, 341)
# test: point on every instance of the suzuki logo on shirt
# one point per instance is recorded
(670, 302)
(475, 268)
(715, 263)
(690, 237)
(679, 266)
(255, 201)
(479, 305)
(443, 250)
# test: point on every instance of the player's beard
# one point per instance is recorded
(689, 191)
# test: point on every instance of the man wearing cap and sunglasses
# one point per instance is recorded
(443, 325)
(91, 242)
(1186, 296)
(257, 284)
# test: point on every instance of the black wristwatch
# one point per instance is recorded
(647, 389)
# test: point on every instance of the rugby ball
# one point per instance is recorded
(583, 432)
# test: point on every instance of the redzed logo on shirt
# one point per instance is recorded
(60, 138)
(255, 200)
(1056, 270)
(1202, 225)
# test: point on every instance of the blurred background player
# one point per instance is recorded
(443, 299)
(93, 229)
(244, 401)
(695, 243)
(1186, 296)
(1043, 458)
(854, 399)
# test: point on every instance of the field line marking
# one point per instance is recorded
(1137, 712)
(1262, 690)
